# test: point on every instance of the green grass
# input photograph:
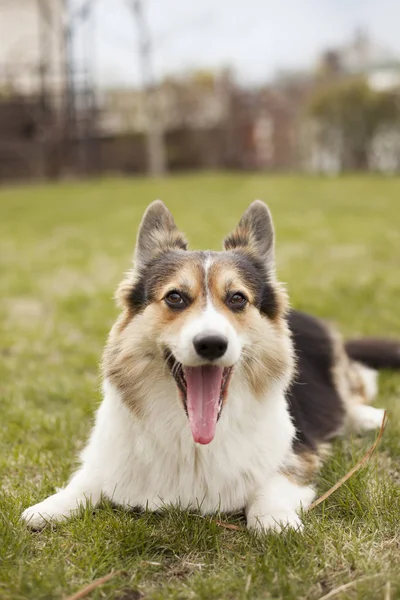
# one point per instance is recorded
(63, 250)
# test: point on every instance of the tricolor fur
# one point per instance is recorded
(216, 397)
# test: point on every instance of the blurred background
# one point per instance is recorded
(135, 86)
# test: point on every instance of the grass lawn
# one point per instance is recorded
(63, 250)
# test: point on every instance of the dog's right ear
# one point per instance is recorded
(157, 234)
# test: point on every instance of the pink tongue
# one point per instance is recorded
(203, 394)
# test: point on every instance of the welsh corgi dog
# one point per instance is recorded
(217, 396)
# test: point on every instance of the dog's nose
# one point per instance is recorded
(210, 346)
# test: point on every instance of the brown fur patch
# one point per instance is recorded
(268, 357)
(129, 366)
(346, 374)
(306, 465)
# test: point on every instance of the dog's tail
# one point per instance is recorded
(376, 353)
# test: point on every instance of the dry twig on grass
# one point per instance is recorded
(346, 586)
(229, 526)
(356, 467)
(92, 586)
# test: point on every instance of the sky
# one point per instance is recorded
(255, 37)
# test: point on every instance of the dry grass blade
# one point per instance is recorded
(348, 585)
(92, 586)
(356, 467)
(387, 591)
(229, 526)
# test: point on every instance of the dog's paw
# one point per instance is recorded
(34, 517)
(277, 521)
(53, 509)
(365, 418)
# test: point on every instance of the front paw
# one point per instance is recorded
(279, 521)
(53, 509)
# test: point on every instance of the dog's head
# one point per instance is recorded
(201, 318)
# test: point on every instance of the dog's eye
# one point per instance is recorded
(237, 300)
(175, 300)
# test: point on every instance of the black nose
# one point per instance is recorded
(210, 346)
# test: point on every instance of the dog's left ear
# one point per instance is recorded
(157, 234)
(254, 234)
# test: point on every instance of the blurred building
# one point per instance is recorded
(30, 64)
(323, 149)
(46, 102)
(193, 113)
(52, 123)
(32, 53)
(208, 122)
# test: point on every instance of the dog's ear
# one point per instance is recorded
(254, 234)
(157, 234)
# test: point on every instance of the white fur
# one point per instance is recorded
(207, 265)
(275, 506)
(155, 462)
(370, 380)
(364, 418)
(360, 417)
(210, 321)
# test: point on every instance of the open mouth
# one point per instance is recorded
(203, 390)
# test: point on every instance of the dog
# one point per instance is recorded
(217, 396)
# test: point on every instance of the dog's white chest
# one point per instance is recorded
(157, 463)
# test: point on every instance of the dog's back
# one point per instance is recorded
(334, 381)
